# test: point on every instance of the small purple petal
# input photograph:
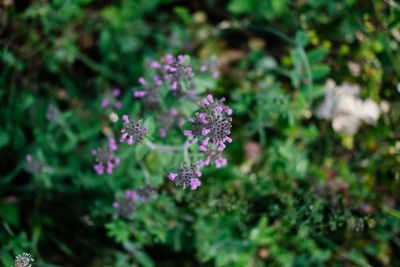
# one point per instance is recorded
(219, 110)
(128, 193)
(180, 59)
(194, 183)
(142, 81)
(118, 104)
(125, 118)
(205, 102)
(187, 132)
(116, 92)
(172, 176)
(155, 65)
(221, 147)
(104, 102)
(205, 131)
(203, 68)
(223, 161)
(169, 59)
(139, 94)
(163, 133)
(210, 98)
(29, 157)
(202, 117)
(217, 164)
(123, 137)
(202, 148)
(174, 111)
(228, 139)
(215, 74)
(115, 204)
(109, 167)
(174, 86)
(130, 140)
(205, 141)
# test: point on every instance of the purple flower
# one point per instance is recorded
(155, 65)
(127, 205)
(104, 102)
(142, 81)
(116, 92)
(139, 94)
(168, 119)
(145, 193)
(194, 183)
(118, 104)
(112, 144)
(216, 128)
(205, 131)
(186, 176)
(110, 99)
(105, 159)
(52, 113)
(212, 154)
(33, 165)
(132, 131)
(203, 68)
(215, 74)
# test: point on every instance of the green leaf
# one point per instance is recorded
(9, 213)
(184, 14)
(141, 151)
(317, 54)
(143, 259)
(239, 6)
(118, 230)
(301, 38)
(320, 71)
(150, 125)
(4, 138)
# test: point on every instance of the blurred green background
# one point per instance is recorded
(300, 189)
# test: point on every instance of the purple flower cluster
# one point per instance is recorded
(210, 66)
(127, 205)
(150, 94)
(186, 175)
(168, 119)
(105, 158)
(33, 165)
(212, 154)
(171, 72)
(212, 124)
(110, 99)
(132, 131)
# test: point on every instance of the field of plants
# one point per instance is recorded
(199, 133)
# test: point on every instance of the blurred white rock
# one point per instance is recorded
(342, 105)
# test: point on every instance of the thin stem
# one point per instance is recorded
(165, 148)
(145, 171)
(172, 148)
(186, 151)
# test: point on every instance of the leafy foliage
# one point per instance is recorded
(294, 191)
